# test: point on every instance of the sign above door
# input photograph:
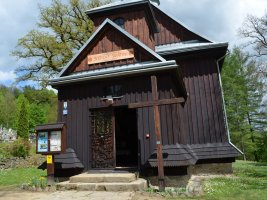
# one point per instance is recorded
(110, 56)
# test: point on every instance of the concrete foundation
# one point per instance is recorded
(212, 168)
(198, 170)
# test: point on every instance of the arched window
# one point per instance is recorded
(119, 21)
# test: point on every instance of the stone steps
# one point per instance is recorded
(104, 182)
(103, 177)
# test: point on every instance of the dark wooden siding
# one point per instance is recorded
(199, 121)
(203, 110)
(82, 97)
(136, 23)
(171, 32)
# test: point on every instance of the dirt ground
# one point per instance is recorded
(17, 194)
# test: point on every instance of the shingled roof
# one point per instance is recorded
(185, 155)
(67, 160)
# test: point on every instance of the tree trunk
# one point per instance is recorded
(252, 138)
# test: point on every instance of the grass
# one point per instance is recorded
(18, 176)
(249, 182)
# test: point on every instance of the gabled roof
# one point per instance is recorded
(125, 4)
(182, 47)
(121, 30)
(179, 22)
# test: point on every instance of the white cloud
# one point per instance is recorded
(50, 88)
(17, 18)
(218, 20)
(7, 76)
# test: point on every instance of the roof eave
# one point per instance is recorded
(190, 49)
(152, 67)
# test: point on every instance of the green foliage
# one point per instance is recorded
(23, 121)
(20, 148)
(63, 28)
(18, 176)
(37, 116)
(41, 106)
(243, 92)
(5, 150)
(38, 182)
(8, 108)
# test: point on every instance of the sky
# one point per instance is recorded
(217, 20)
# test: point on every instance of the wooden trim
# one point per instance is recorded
(114, 138)
(155, 96)
(107, 106)
(156, 103)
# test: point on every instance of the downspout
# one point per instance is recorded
(224, 108)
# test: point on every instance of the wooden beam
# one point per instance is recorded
(156, 103)
(158, 134)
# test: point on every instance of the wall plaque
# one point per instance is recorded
(110, 56)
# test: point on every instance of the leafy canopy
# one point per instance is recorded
(62, 29)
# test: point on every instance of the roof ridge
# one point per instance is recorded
(115, 3)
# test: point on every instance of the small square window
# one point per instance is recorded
(113, 90)
(119, 21)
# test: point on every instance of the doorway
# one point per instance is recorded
(102, 139)
(126, 137)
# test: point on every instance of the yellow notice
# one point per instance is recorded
(49, 159)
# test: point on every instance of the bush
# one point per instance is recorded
(5, 150)
(20, 148)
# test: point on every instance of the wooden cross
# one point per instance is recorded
(156, 103)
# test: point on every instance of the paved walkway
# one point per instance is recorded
(84, 195)
(65, 195)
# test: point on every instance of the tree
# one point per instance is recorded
(23, 121)
(255, 30)
(45, 99)
(36, 116)
(62, 30)
(235, 96)
(7, 109)
(243, 96)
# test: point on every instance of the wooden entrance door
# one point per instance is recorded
(103, 147)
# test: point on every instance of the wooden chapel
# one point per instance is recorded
(105, 93)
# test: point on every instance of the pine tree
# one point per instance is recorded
(23, 122)
(243, 95)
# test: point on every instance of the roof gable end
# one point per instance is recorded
(118, 5)
(97, 32)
